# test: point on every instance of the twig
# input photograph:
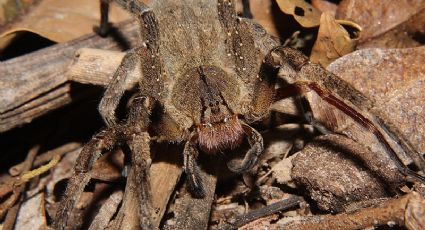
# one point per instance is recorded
(36, 83)
(11, 214)
(38, 171)
(262, 212)
(193, 213)
(407, 211)
(45, 157)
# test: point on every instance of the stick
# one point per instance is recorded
(36, 83)
(406, 211)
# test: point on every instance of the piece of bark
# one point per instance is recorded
(337, 171)
(165, 174)
(39, 78)
(94, 66)
(32, 214)
(405, 211)
(106, 212)
(194, 213)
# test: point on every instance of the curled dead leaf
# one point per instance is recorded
(61, 20)
(303, 12)
(333, 41)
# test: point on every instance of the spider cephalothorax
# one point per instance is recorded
(212, 74)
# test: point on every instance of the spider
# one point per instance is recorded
(206, 75)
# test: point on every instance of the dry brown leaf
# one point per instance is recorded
(261, 11)
(303, 12)
(61, 20)
(405, 35)
(394, 23)
(332, 42)
(324, 5)
(10, 9)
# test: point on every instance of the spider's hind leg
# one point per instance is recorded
(103, 140)
(304, 76)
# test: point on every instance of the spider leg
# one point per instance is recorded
(191, 168)
(104, 140)
(334, 91)
(256, 142)
(145, 55)
(239, 41)
(104, 19)
(141, 161)
(137, 194)
(133, 6)
(138, 189)
(116, 88)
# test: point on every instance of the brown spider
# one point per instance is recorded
(206, 74)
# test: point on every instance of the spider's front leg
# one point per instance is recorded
(145, 55)
(304, 76)
(255, 140)
(121, 82)
(138, 180)
(104, 140)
